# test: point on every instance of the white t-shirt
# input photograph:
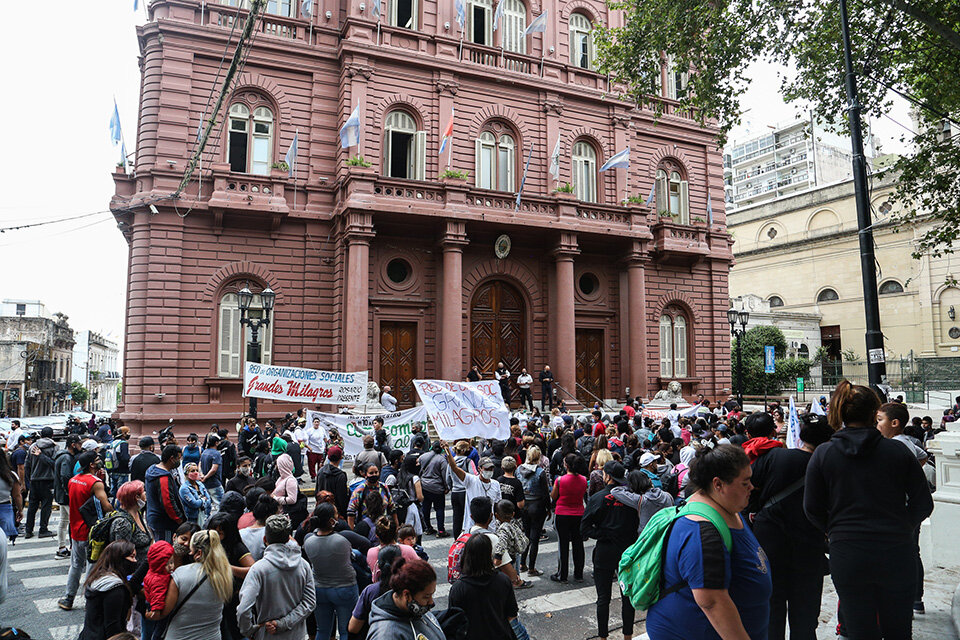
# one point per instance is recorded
(13, 439)
(388, 401)
(477, 488)
(316, 439)
(524, 381)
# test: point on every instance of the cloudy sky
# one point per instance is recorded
(65, 74)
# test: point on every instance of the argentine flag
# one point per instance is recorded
(291, 157)
(461, 14)
(498, 13)
(447, 134)
(793, 427)
(619, 161)
(539, 24)
(350, 131)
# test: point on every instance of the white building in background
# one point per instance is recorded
(784, 160)
(96, 364)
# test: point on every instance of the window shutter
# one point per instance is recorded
(420, 152)
(578, 172)
(266, 351)
(662, 194)
(666, 353)
(574, 50)
(684, 202)
(477, 152)
(229, 356)
(680, 347)
(591, 55)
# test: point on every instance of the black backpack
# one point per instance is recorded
(585, 445)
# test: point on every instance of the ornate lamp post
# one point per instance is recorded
(245, 297)
(733, 317)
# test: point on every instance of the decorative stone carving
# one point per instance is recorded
(373, 397)
(666, 397)
(355, 68)
(553, 104)
(446, 85)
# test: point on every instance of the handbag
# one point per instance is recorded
(160, 631)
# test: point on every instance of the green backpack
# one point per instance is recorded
(641, 566)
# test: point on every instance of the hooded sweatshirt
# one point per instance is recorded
(286, 491)
(756, 447)
(389, 622)
(278, 446)
(105, 615)
(157, 580)
(861, 486)
(278, 587)
(164, 510)
(40, 467)
(333, 479)
(648, 504)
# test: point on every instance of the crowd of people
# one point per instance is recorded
(213, 536)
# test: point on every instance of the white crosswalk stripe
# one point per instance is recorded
(49, 605)
(68, 632)
(46, 582)
(15, 553)
(39, 564)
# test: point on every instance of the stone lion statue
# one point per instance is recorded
(673, 393)
(373, 395)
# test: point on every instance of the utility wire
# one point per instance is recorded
(45, 222)
(906, 96)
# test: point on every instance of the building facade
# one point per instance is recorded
(784, 160)
(36, 351)
(401, 268)
(96, 366)
(801, 254)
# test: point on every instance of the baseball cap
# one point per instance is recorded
(335, 452)
(616, 471)
(89, 444)
(645, 459)
(72, 439)
(146, 441)
(486, 463)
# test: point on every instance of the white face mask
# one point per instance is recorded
(487, 473)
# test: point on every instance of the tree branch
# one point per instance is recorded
(929, 21)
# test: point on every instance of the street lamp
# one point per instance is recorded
(741, 317)
(245, 298)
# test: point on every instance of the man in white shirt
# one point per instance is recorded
(524, 380)
(476, 486)
(316, 441)
(387, 400)
(13, 438)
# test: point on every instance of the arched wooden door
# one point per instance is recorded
(497, 331)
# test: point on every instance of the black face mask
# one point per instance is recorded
(373, 481)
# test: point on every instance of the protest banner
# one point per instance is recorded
(307, 386)
(465, 409)
(352, 428)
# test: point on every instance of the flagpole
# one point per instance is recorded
(460, 54)
(203, 6)
(296, 137)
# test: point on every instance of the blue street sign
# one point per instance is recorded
(768, 359)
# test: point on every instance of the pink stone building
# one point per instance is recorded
(394, 268)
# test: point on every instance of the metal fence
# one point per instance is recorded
(912, 376)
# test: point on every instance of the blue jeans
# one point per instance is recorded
(334, 601)
(216, 496)
(78, 563)
(116, 480)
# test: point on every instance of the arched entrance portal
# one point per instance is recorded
(497, 328)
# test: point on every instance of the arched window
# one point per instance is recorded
(673, 196)
(827, 295)
(233, 343)
(803, 351)
(890, 286)
(673, 345)
(403, 13)
(513, 22)
(775, 301)
(404, 147)
(250, 143)
(479, 25)
(584, 171)
(495, 161)
(581, 41)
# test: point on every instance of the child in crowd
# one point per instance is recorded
(407, 535)
(156, 583)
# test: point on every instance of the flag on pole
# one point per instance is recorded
(619, 161)
(691, 412)
(135, 5)
(817, 408)
(555, 161)
(291, 157)
(306, 8)
(350, 131)
(709, 210)
(793, 427)
(524, 178)
(498, 13)
(376, 9)
(447, 134)
(653, 193)
(116, 134)
(461, 14)
(539, 24)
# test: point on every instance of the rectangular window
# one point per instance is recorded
(21, 309)
(480, 25)
(238, 146)
(261, 156)
(400, 152)
(503, 169)
(485, 168)
(403, 13)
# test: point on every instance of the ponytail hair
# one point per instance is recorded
(852, 404)
(214, 562)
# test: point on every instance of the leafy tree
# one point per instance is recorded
(79, 393)
(786, 370)
(906, 46)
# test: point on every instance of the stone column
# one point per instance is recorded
(451, 301)
(938, 534)
(564, 317)
(356, 329)
(635, 263)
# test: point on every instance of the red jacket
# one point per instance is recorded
(157, 580)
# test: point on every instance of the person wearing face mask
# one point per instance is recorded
(336, 581)
(244, 476)
(356, 508)
(164, 509)
(107, 592)
(194, 495)
(132, 498)
(403, 613)
(476, 487)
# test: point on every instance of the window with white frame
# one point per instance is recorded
(513, 22)
(673, 345)
(495, 161)
(480, 21)
(403, 13)
(287, 8)
(233, 341)
(250, 141)
(673, 195)
(677, 80)
(404, 148)
(585, 172)
(581, 41)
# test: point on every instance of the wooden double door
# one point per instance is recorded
(498, 329)
(590, 369)
(398, 360)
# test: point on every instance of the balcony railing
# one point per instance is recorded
(270, 24)
(500, 59)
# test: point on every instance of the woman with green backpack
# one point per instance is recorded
(716, 579)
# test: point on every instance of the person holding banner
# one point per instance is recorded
(458, 492)
(474, 486)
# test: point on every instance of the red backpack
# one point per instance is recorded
(454, 556)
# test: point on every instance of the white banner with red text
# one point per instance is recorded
(398, 425)
(306, 386)
(465, 409)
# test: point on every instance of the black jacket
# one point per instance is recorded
(862, 486)
(63, 468)
(609, 520)
(105, 614)
(332, 479)
(141, 462)
(293, 450)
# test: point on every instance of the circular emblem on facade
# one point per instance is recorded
(954, 332)
(501, 248)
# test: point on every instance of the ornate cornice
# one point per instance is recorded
(356, 68)
(553, 104)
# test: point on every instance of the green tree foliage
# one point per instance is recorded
(755, 381)
(911, 46)
(79, 393)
